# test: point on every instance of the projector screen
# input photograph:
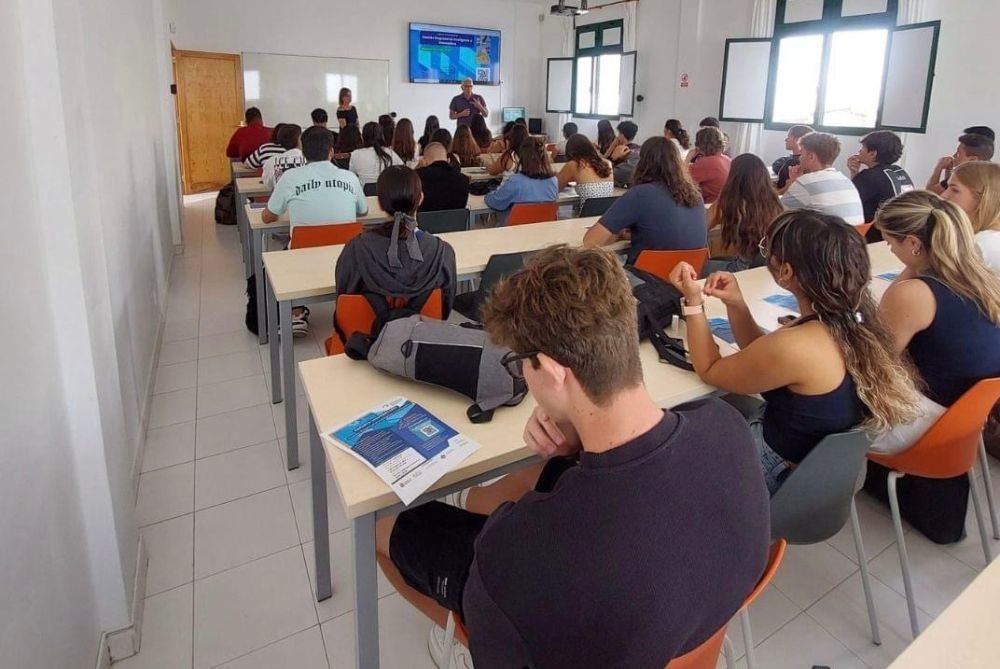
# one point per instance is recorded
(447, 55)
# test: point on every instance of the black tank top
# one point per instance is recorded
(794, 423)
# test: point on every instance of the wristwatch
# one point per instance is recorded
(691, 309)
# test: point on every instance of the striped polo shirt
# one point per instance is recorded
(827, 191)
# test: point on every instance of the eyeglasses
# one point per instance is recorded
(514, 362)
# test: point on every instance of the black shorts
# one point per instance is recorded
(433, 545)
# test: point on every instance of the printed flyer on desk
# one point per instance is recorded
(405, 445)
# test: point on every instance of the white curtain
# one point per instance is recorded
(748, 136)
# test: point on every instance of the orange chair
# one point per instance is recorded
(306, 236)
(662, 263)
(704, 656)
(863, 228)
(532, 212)
(948, 449)
(353, 314)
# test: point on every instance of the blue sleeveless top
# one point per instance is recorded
(794, 423)
(960, 347)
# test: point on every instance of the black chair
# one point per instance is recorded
(445, 220)
(596, 206)
(497, 267)
(370, 189)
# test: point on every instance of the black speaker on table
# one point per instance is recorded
(534, 126)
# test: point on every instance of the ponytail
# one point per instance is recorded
(947, 237)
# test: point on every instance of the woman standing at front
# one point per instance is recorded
(346, 113)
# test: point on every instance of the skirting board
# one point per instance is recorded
(125, 642)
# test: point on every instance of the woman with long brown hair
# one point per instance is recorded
(388, 125)
(662, 210)
(605, 137)
(481, 133)
(465, 148)
(830, 370)
(943, 314)
(586, 168)
(403, 142)
(431, 126)
(739, 218)
(506, 164)
(368, 162)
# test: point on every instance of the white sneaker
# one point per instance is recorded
(457, 657)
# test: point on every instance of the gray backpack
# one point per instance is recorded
(456, 356)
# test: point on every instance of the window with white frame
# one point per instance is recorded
(837, 65)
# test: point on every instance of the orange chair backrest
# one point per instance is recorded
(532, 212)
(863, 228)
(662, 263)
(307, 236)
(354, 314)
(950, 447)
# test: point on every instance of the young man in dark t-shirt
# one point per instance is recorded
(881, 179)
(645, 529)
(444, 185)
(781, 166)
(976, 143)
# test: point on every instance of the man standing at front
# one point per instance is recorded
(466, 105)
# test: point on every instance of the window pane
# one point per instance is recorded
(609, 74)
(251, 85)
(796, 86)
(587, 40)
(854, 78)
(584, 78)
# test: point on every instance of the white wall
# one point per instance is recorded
(86, 274)
(345, 29)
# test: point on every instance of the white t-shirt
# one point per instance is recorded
(989, 247)
(367, 165)
(318, 193)
(276, 165)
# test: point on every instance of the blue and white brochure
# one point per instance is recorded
(405, 445)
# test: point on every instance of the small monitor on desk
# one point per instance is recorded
(511, 114)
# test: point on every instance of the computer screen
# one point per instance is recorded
(514, 113)
(447, 55)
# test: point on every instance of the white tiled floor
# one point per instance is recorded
(229, 530)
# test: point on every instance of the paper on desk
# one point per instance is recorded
(723, 331)
(404, 444)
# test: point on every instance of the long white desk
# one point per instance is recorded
(306, 276)
(365, 497)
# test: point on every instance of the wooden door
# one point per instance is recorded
(209, 109)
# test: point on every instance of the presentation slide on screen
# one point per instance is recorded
(446, 55)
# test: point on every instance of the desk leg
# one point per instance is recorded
(272, 341)
(365, 593)
(242, 225)
(288, 381)
(256, 251)
(321, 525)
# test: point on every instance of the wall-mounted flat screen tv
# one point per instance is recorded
(447, 55)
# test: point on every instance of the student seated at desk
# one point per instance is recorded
(481, 133)
(662, 210)
(369, 161)
(533, 181)
(605, 137)
(395, 259)
(782, 165)
(740, 217)
(247, 138)
(709, 166)
(444, 185)
(348, 142)
(316, 193)
(972, 146)
(290, 139)
(830, 370)
(624, 152)
(403, 142)
(975, 187)
(465, 148)
(675, 132)
(600, 557)
(943, 314)
(585, 166)
(881, 179)
(431, 125)
(506, 163)
(817, 184)
(266, 150)
(568, 130)
(443, 137)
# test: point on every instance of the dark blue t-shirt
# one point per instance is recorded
(656, 220)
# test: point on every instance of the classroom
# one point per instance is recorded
(583, 334)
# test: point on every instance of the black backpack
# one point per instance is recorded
(251, 317)
(657, 302)
(357, 344)
(225, 205)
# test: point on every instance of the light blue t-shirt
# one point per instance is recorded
(318, 192)
(521, 188)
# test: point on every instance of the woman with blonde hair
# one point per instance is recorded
(830, 370)
(943, 314)
(975, 187)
